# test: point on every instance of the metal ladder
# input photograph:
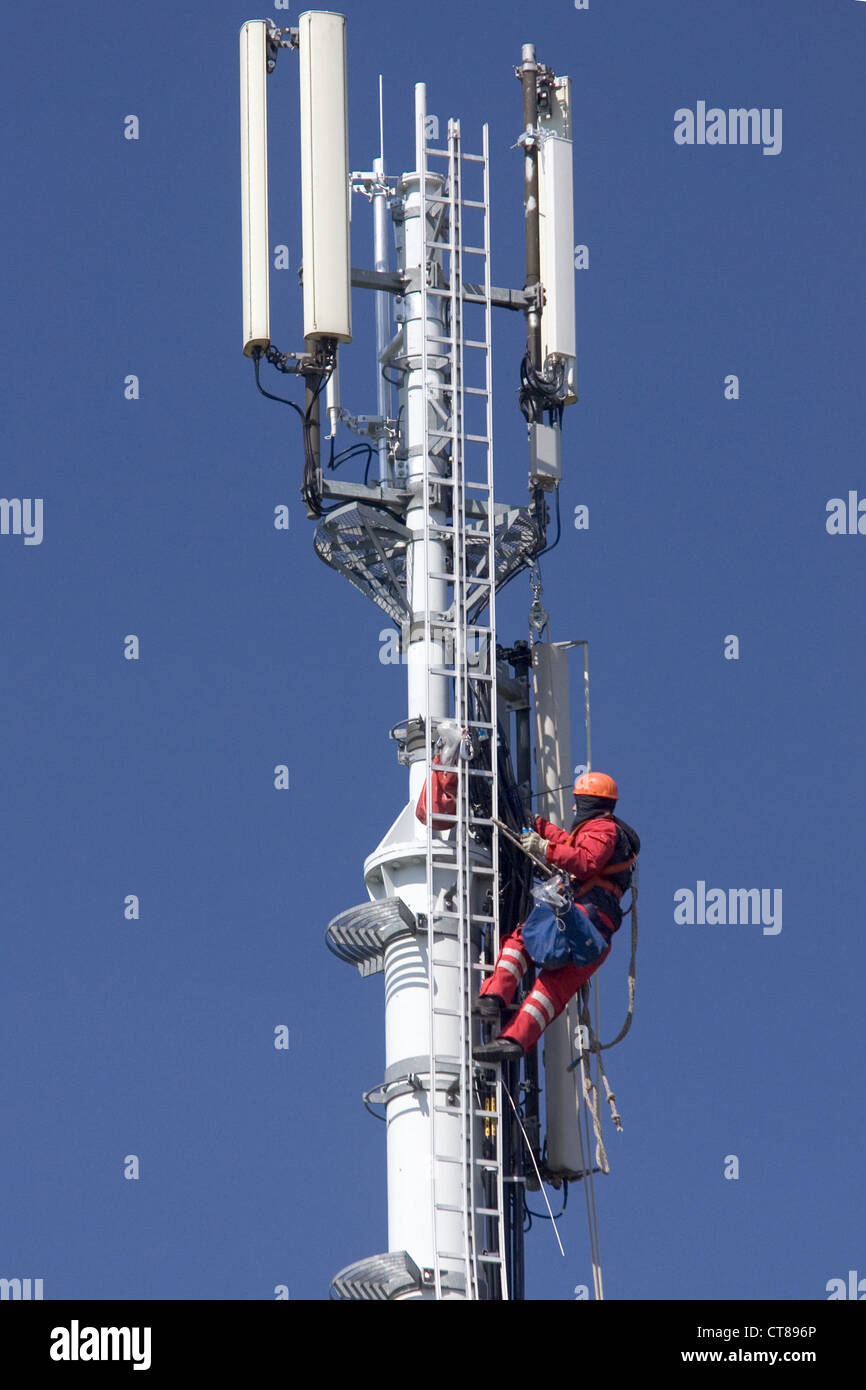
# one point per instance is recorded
(465, 493)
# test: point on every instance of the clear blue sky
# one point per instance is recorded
(707, 518)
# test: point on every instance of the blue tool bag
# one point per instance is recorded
(566, 935)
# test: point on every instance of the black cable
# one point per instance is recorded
(543, 1215)
(538, 392)
(308, 491)
(547, 549)
(282, 399)
(352, 452)
(311, 497)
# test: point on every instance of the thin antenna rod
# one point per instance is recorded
(381, 126)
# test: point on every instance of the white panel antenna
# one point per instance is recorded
(556, 232)
(325, 176)
(254, 185)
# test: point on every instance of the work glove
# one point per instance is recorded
(534, 844)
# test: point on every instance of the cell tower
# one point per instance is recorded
(429, 544)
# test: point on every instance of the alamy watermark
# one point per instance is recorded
(77, 1343)
(846, 519)
(394, 648)
(23, 1289)
(854, 1288)
(729, 907)
(736, 126)
(22, 516)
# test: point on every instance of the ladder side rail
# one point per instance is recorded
(464, 880)
(421, 146)
(491, 667)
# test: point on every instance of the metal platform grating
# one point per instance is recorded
(360, 934)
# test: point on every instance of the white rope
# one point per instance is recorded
(586, 1162)
(590, 1093)
(535, 1166)
(596, 1045)
(592, 1211)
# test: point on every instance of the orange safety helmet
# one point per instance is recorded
(596, 784)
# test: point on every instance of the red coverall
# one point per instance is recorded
(444, 790)
(581, 854)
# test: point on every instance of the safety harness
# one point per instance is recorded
(626, 837)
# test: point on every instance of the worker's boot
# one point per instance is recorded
(489, 1007)
(500, 1050)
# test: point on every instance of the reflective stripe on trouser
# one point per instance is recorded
(547, 998)
(510, 969)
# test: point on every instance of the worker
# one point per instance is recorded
(598, 854)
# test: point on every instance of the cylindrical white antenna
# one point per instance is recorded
(381, 124)
(325, 176)
(420, 122)
(254, 185)
(332, 398)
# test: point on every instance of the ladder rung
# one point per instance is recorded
(468, 724)
(474, 251)
(449, 623)
(452, 672)
(473, 820)
(447, 1206)
(475, 158)
(477, 438)
(473, 917)
(467, 342)
(448, 1013)
(491, 1259)
(471, 203)
(488, 1211)
(449, 1158)
(488, 1164)
(488, 1114)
